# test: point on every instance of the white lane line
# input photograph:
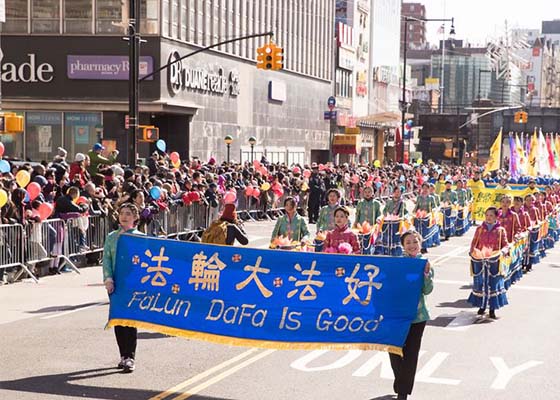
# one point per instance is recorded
(175, 389)
(74, 311)
(521, 287)
(223, 375)
(449, 254)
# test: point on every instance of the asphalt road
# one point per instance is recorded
(53, 346)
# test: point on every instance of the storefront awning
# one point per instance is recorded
(158, 106)
(382, 120)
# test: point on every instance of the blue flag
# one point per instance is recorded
(265, 298)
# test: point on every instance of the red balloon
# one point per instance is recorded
(256, 193)
(174, 157)
(81, 200)
(45, 210)
(186, 199)
(33, 190)
(1, 149)
(296, 170)
(194, 196)
(307, 173)
(249, 191)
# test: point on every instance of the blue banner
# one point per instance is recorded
(265, 298)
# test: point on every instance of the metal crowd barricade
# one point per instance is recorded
(98, 229)
(49, 240)
(12, 238)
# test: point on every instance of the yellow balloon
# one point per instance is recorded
(3, 197)
(419, 161)
(265, 186)
(23, 178)
(305, 187)
(176, 164)
(377, 164)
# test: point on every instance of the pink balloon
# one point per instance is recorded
(256, 164)
(81, 200)
(279, 192)
(229, 198)
(45, 210)
(321, 167)
(368, 184)
(33, 190)
(256, 193)
(1, 149)
(249, 191)
(355, 179)
(296, 170)
(174, 156)
(307, 173)
(263, 171)
(370, 178)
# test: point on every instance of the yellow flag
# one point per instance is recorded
(532, 170)
(495, 155)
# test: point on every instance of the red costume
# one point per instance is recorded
(534, 214)
(524, 219)
(509, 220)
(342, 235)
(495, 238)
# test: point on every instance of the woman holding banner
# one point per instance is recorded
(404, 368)
(126, 336)
(487, 246)
(341, 239)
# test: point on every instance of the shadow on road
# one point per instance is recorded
(151, 335)
(466, 287)
(63, 308)
(384, 397)
(67, 385)
(462, 303)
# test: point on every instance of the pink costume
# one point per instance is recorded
(495, 238)
(534, 214)
(510, 221)
(341, 235)
(524, 219)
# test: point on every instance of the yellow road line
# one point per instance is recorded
(223, 375)
(176, 389)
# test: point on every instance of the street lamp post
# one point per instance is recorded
(403, 103)
(252, 142)
(228, 140)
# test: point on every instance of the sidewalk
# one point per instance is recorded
(53, 294)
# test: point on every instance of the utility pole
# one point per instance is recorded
(133, 83)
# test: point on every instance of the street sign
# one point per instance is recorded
(329, 115)
(331, 102)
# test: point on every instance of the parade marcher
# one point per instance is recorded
(533, 186)
(341, 239)
(508, 219)
(126, 336)
(425, 202)
(475, 183)
(433, 193)
(524, 219)
(326, 215)
(503, 184)
(488, 284)
(462, 194)
(404, 368)
(448, 199)
(532, 210)
(316, 192)
(291, 224)
(368, 209)
(449, 195)
(226, 229)
(395, 205)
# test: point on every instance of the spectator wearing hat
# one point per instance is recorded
(96, 159)
(226, 229)
(78, 175)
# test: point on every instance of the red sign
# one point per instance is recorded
(536, 52)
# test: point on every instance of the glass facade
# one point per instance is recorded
(76, 16)
(44, 131)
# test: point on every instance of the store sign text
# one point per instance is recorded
(28, 71)
(181, 78)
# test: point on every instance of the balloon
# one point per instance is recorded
(263, 170)
(33, 189)
(368, 184)
(155, 192)
(1, 149)
(377, 164)
(355, 179)
(256, 193)
(176, 164)
(45, 210)
(307, 173)
(4, 166)
(3, 197)
(305, 187)
(377, 185)
(26, 198)
(229, 198)
(186, 199)
(249, 191)
(279, 192)
(419, 161)
(174, 156)
(265, 186)
(256, 164)
(296, 170)
(23, 178)
(161, 146)
(370, 178)
(321, 167)
(194, 196)
(81, 200)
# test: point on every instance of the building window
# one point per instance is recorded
(111, 16)
(16, 17)
(46, 16)
(149, 21)
(80, 131)
(175, 11)
(78, 16)
(43, 132)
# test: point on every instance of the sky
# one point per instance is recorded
(477, 20)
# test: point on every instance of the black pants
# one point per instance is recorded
(126, 339)
(313, 210)
(404, 368)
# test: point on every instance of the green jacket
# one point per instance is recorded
(110, 252)
(325, 222)
(97, 159)
(368, 210)
(425, 203)
(449, 196)
(296, 229)
(423, 314)
(395, 207)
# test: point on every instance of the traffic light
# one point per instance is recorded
(270, 56)
(149, 133)
(11, 123)
(520, 117)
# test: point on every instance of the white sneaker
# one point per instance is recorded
(129, 365)
(120, 365)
